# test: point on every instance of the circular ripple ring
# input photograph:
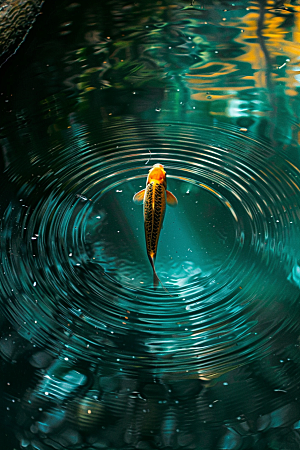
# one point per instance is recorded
(75, 273)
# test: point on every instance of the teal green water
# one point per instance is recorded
(91, 355)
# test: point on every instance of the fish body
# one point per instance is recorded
(155, 198)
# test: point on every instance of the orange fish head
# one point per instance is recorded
(158, 174)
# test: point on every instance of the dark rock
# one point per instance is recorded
(16, 20)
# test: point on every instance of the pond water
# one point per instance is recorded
(92, 356)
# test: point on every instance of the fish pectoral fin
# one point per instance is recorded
(171, 199)
(138, 198)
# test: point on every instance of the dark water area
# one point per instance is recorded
(92, 356)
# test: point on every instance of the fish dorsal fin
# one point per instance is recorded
(138, 198)
(171, 199)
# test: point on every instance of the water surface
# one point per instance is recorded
(92, 355)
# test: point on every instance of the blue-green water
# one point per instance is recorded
(91, 355)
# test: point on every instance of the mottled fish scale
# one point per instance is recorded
(154, 198)
(154, 211)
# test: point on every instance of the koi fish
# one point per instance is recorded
(154, 197)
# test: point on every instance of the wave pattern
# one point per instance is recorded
(75, 276)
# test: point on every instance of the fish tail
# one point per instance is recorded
(156, 279)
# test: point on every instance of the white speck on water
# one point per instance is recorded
(70, 254)
(81, 196)
(149, 158)
(119, 190)
(34, 284)
(98, 217)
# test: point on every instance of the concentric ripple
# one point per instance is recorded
(76, 277)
